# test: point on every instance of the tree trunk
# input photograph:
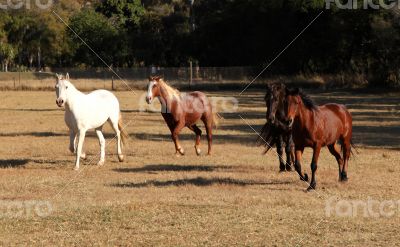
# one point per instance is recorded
(38, 59)
(30, 61)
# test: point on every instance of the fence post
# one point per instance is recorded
(112, 83)
(191, 74)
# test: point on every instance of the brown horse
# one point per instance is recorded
(180, 110)
(318, 126)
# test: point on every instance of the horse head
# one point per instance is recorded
(153, 89)
(62, 85)
(274, 99)
(296, 101)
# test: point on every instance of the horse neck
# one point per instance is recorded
(74, 97)
(306, 117)
(165, 93)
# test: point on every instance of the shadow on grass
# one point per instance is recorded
(199, 181)
(171, 168)
(35, 134)
(12, 163)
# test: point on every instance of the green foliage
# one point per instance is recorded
(122, 12)
(130, 33)
(98, 33)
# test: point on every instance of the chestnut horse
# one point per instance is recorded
(275, 131)
(180, 110)
(318, 126)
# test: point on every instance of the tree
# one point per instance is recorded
(99, 34)
(122, 12)
(7, 54)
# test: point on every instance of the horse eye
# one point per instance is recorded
(66, 87)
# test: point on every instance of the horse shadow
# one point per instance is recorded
(170, 168)
(198, 181)
(12, 163)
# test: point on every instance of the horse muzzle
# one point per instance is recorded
(149, 99)
(60, 102)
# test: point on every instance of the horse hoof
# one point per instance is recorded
(289, 168)
(305, 177)
(120, 158)
(76, 168)
(198, 151)
(282, 170)
(100, 163)
(83, 156)
(311, 188)
(343, 179)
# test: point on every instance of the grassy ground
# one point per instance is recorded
(235, 197)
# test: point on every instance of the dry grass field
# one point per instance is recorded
(235, 197)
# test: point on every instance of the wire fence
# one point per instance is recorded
(191, 77)
(87, 79)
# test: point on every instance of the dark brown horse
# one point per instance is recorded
(275, 131)
(318, 126)
(180, 110)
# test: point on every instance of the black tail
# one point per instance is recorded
(353, 147)
(266, 137)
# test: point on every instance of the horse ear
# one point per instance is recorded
(67, 76)
(157, 78)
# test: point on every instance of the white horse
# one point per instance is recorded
(89, 111)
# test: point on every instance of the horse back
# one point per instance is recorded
(195, 106)
(337, 120)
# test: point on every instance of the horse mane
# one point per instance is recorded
(307, 101)
(171, 91)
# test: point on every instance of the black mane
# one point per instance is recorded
(307, 101)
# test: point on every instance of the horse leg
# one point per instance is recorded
(197, 131)
(72, 137)
(346, 157)
(333, 149)
(73, 144)
(279, 150)
(81, 138)
(208, 122)
(289, 149)
(102, 143)
(175, 133)
(314, 166)
(114, 124)
(297, 164)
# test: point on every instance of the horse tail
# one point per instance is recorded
(215, 119)
(121, 127)
(353, 147)
(267, 137)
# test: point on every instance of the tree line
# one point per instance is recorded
(134, 33)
